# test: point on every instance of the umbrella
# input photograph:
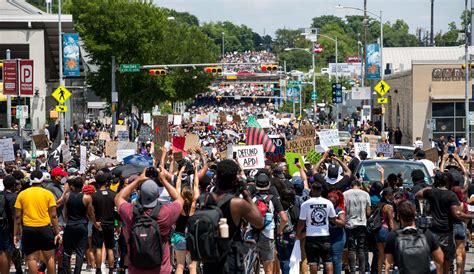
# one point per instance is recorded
(126, 171)
(138, 160)
(103, 162)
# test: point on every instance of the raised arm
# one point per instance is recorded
(179, 180)
(203, 170)
(196, 185)
(174, 194)
(321, 161)
(124, 194)
(304, 177)
(347, 171)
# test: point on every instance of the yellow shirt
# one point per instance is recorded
(35, 203)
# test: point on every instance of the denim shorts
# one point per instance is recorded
(381, 236)
(459, 231)
(178, 240)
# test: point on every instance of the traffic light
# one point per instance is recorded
(269, 67)
(337, 93)
(158, 72)
(1, 71)
(470, 66)
(213, 69)
(377, 111)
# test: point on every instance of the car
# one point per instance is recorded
(344, 137)
(407, 152)
(367, 170)
(325, 71)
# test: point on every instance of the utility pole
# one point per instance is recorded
(432, 24)
(114, 97)
(9, 100)
(61, 76)
(466, 63)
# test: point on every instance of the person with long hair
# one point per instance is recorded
(388, 224)
(190, 195)
(460, 235)
(337, 234)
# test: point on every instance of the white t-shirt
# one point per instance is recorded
(356, 201)
(429, 166)
(418, 143)
(316, 212)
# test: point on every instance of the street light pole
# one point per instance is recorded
(223, 48)
(314, 80)
(61, 76)
(382, 72)
(466, 63)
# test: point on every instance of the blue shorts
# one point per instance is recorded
(381, 236)
(178, 240)
(459, 230)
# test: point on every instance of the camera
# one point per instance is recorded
(151, 173)
(424, 221)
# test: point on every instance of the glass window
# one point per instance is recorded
(437, 135)
(460, 124)
(460, 109)
(443, 109)
(444, 124)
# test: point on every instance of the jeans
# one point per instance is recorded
(75, 240)
(284, 252)
(356, 243)
(337, 248)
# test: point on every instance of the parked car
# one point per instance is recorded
(344, 137)
(325, 71)
(368, 172)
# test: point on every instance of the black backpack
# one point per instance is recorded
(374, 223)
(412, 252)
(3, 212)
(202, 232)
(146, 251)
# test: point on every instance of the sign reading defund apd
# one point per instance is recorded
(250, 157)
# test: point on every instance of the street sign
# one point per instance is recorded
(61, 108)
(382, 88)
(294, 83)
(22, 112)
(26, 77)
(318, 48)
(314, 96)
(129, 68)
(61, 94)
(9, 77)
(382, 100)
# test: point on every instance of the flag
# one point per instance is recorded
(256, 135)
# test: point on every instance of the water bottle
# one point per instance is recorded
(223, 228)
(432, 267)
(268, 220)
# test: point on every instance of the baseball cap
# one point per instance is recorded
(149, 194)
(333, 171)
(36, 177)
(262, 182)
(57, 171)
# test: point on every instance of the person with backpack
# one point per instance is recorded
(224, 213)
(146, 216)
(337, 235)
(387, 223)
(409, 249)
(190, 196)
(7, 214)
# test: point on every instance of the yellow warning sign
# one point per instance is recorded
(382, 88)
(61, 94)
(61, 108)
(382, 100)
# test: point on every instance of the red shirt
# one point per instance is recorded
(169, 213)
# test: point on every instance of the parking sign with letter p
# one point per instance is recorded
(26, 77)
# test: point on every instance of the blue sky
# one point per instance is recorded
(269, 15)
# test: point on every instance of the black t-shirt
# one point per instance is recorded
(470, 190)
(103, 202)
(390, 244)
(341, 185)
(10, 199)
(440, 202)
(354, 164)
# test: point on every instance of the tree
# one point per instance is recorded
(140, 33)
(321, 21)
(236, 38)
(449, 38)
(397, 35)
(288, 38)
(296, 59)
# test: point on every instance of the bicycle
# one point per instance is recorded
(251, 258)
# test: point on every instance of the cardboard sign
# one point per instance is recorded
(290, 161)
(119, 128)
(329, 138)
(222, 117)
(307, 130)
(6, 150)
(104, 136)
(111, 148)
(358, 147)
(177, 120)
(160, 128)
(250, 157)
(83, 164)
(373, 140)
(236, 119)
(192, 142)
(122, 136)
(386, 149)
(122, 153)
(279, 154)
(301, 145)
(432, 154)
(66, 153)
(41, 141)
(126, 145)
(313, 157)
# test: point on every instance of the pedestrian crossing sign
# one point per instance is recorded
(61, 108)
(61, 94)
(382, 88)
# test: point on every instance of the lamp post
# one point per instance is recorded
(61, 76)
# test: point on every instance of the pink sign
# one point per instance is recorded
(26, 77)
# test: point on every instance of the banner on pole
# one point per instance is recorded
(71, 55)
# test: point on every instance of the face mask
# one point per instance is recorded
(63, 180)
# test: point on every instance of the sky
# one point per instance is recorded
(270, 15)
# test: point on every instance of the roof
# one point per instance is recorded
(17, 7)
(403, 57)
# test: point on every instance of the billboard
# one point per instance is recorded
(71, 56)
(373, 62)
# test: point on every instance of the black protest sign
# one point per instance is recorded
(279, 154)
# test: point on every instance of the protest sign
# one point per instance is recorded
(313, 157)
(170, 118)
(177, 156)
(203, 118)
(192, 142)
(122, 153)
(119, 128)
(301, 145)
(186, 117)
(147, 118)
(126, 145)
(213, 119)
(41, 141)
(122, 136)
(250, 157)
(358, 147)
(329, 138)
(432, 154)
(177, 120)
(83, 163)
(111, 148)
(386, 149)
(160, 128)
(104, 136)
(307, 130)
(145, 133)
(222, 117)
(264, 123)
(236, 118)
(373, 140)
(208, 150)
(290, 161)
(178, 143)
(66, 153)
(279, 154)
(6, 149)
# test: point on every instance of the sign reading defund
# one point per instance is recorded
(250, 157)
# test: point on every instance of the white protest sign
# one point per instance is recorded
(177, 120)
(83, 166)
(329, 138)
(125, 145)
(6, 150)
(147, 118)
(66, 153)
(358, 147)
(264, 123)
(122, 153)
(386, 149)
(250, 157)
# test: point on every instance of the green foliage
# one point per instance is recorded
(236, 38)
(449, 38)
(140, 33)
(296, 59)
